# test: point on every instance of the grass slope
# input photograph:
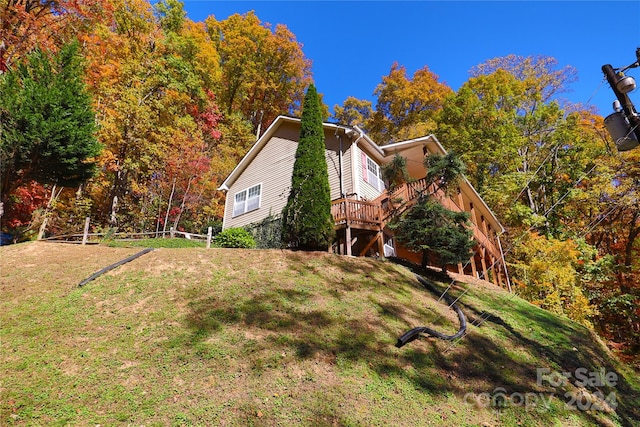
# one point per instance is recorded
(266, 338)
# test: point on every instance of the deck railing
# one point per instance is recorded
(356, 213)
(377, 213)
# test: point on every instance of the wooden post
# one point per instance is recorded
(499, 274)
(494, 277)
(209, 231)
(347, 232)
(472, 211)
(474, 269)
(347, 240)
(171, 233)
(484, 264)
(460, 200)
(85, 235)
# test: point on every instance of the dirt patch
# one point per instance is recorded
(43, 265)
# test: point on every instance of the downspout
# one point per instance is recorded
(340, 172)
(356, 187)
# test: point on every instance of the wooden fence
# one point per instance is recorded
(83, 238)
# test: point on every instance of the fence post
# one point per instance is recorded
(171, 233)
(85, 235)
(209, 237)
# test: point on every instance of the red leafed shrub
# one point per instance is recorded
(22, 203)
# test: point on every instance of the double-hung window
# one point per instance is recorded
(247, 200)
(373, 174)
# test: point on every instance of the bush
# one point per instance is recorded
(234, 238)
(267, 233)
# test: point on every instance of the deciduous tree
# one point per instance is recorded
(263, 71)
(159, 118)
(353, 112)
(27, 24)
(405, 108)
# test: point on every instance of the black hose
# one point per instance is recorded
(415, 332)
(112, 266)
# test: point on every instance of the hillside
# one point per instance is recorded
(265, 338)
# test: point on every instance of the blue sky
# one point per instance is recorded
(354, 43)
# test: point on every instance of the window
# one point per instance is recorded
(373, 173)
(247, 200)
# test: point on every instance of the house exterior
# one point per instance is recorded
(361, 205)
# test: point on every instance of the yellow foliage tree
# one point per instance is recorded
(546, 275)
(263, 72)
(405, 108)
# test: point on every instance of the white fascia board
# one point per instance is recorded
(375, 148)
(255, 149)
(390, 149)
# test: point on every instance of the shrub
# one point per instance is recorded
(267, 233)
(234, 238)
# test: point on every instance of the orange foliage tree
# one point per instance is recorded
(158, 120)
(25, 24)
(263, 72)
(405, 108)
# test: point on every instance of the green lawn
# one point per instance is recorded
(268, 337)
(157, 243)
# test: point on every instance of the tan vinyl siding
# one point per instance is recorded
(347, 168)
(367, 191)
(332, 155)
(272, 167)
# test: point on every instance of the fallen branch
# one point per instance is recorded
(112, 266)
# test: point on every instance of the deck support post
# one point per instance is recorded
(474, 270)
(347, 241)
(377, 239)
(483, 262)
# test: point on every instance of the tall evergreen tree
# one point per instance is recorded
(307, 220)
(428, 227)
(47, 124)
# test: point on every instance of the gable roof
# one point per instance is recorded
(266, 136)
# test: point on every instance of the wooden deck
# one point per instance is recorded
(357, 213)
(373, 216)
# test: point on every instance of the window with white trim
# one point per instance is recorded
(374, 175)
(247, 200)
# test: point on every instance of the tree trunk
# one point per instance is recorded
(184, 198)
(166, 215)
(47, 212)
(634, 231)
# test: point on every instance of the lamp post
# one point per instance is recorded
(624, 124)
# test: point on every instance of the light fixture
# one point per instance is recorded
(624, 124)
(625, 84)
